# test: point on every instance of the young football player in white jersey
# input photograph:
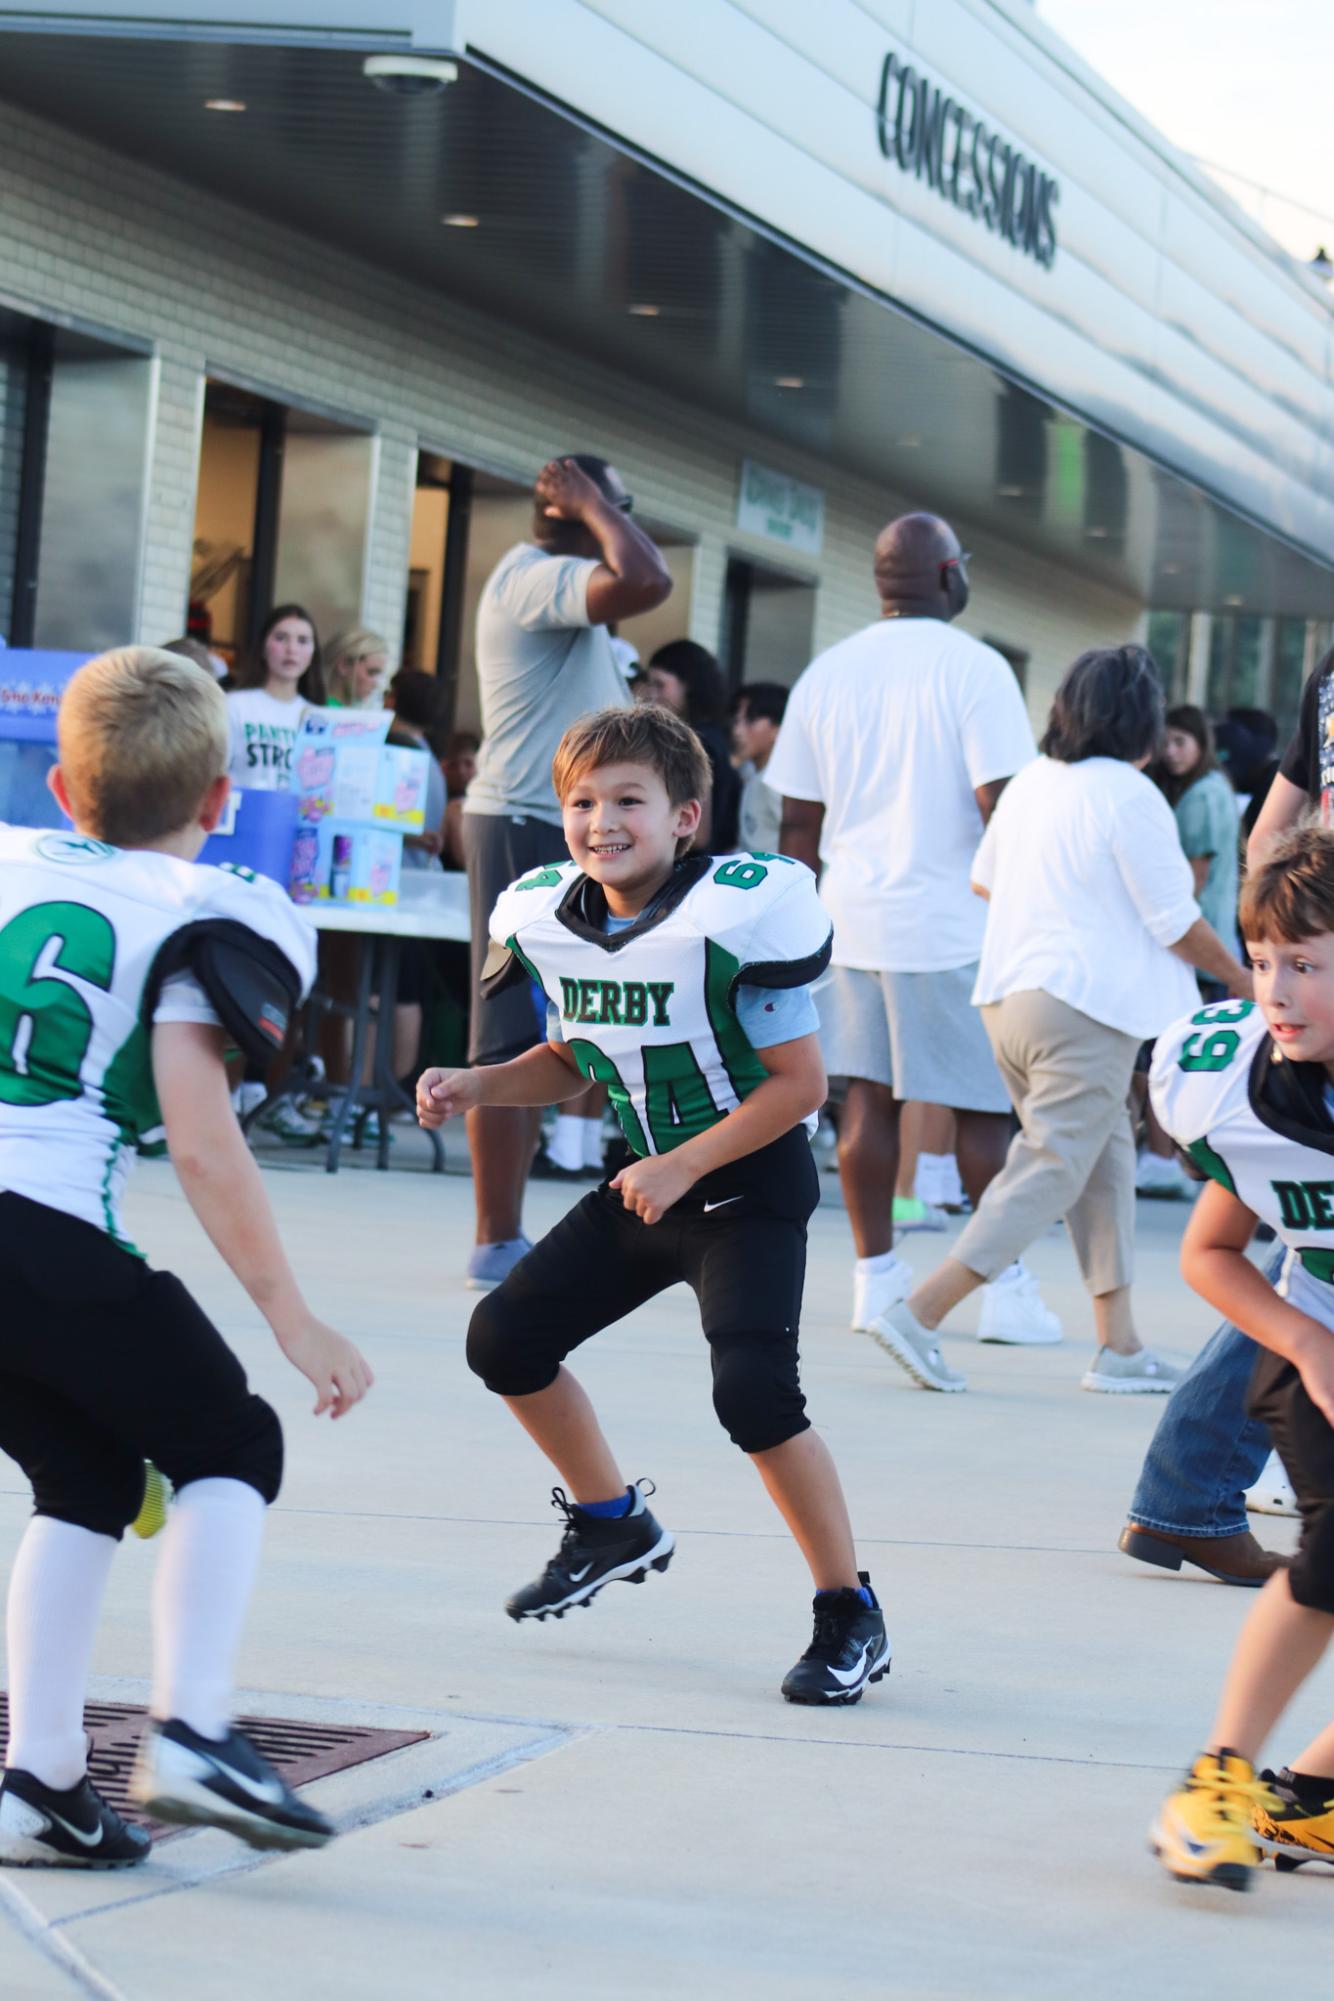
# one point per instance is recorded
(124, 968)
(681, 982)
(1248, 1091)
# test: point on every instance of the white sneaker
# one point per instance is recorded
(916, 1349)
(1272, 1493)
(247, 1098)
(1164, 1180)
(875, 1293)
(1013, 1311)
(1145, 1374)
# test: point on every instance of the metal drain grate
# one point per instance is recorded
(300, 1751)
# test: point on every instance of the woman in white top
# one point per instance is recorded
(1091, 933)
(275, 686)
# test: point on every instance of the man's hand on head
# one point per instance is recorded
(564, 492)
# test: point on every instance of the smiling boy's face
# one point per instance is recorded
(623, 830)
(1294, 985)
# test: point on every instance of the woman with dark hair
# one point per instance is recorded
(684, 677)
(1205, 808)
(274, 686)
(1091, 931)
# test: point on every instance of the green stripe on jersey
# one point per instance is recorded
(740, 1061)
(1320, 1264)
(1212, 1163)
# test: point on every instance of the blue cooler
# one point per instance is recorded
(258, 831)
(31, 685)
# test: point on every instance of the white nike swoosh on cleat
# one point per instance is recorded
(848, 1675)
(85, 1840)
(709, 1207)
(578, 1576)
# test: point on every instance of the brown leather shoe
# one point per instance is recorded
(1232, 1559)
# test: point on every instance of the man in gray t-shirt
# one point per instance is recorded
(544, 658)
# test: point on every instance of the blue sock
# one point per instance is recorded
(862, 1593)
(608, 1511)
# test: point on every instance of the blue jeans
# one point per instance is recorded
(1207, 1449)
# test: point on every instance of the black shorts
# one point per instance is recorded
(738, 1240)
(499, 848)
(1304, 1441)
(103, 1364)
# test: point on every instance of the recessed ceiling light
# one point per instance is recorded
(1011, 492)
(643, 312)
(458, 220)
(908, 444)
(1171, 569)
(1234, 601)
(1096, 534)
(223, 104)
(789, 382)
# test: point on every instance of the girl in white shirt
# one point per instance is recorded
(1092, 928)
(275, 686)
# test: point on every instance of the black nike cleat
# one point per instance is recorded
(848, 1649)
(594, 1552)
(195, 1781)
(72, 1829)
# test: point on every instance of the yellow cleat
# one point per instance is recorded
(1292, 1832)
(152, 1514)
(1205, 1833)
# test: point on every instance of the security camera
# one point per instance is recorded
(409, 76)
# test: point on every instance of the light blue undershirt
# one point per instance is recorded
(769, 1015)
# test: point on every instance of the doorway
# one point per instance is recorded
(280, 516)
(768, 623)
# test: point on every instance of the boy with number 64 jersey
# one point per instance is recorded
(1247, 1089)
(682, 983)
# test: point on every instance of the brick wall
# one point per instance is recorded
(91, 235)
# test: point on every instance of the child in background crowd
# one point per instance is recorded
(273, 688)
(358, 664)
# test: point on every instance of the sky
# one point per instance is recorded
(1244, 83)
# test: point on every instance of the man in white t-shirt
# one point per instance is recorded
(544, 658)
(894, 749)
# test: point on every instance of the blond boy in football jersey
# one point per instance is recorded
(124, 970)
(682, 982)
(1247, 1089)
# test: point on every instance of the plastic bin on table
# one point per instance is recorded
(32, 682)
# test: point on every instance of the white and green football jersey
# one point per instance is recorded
(81, 928)
(1256, 1123)
(650, 1011)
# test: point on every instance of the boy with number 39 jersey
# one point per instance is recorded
(1248, 1091)
(681, 982)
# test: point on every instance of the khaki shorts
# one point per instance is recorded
(917, 1032)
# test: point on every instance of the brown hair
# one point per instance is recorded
(142, 736)
(1194, 723)
(1292, 896)
(252, 669)
(646, 734)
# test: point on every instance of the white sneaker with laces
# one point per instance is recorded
(1144, 1374)
(1272, 1493)
(1013, 1311)
(1164, 1179)
(875, 1293)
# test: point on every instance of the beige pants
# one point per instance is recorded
(1074, 1156)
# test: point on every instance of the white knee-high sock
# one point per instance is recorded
(210, 1553)
(55, 1600)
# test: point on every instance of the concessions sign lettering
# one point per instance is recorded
(929, 134)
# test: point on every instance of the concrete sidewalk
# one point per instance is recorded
(620, 1804)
